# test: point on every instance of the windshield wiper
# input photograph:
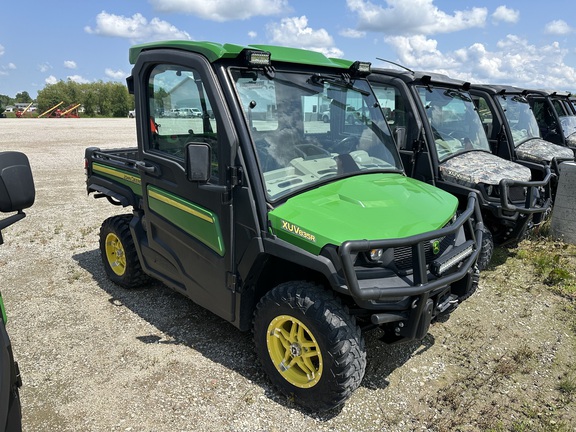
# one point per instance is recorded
(456, 94)
(520, 99)
(319, 79)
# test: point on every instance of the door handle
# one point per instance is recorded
(150, 169)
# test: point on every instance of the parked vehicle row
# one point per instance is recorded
(443, 141)
(310, 200)
(319, 200)
(183, 112)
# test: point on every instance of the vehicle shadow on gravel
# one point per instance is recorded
(180, 321)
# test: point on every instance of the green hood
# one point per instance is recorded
(364, 207)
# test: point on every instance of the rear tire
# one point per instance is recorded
(119, 253)
(309, 345)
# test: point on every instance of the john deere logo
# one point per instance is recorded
(436, 247)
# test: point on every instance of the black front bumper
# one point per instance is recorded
(422, 279)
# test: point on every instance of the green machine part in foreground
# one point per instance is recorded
(17, 193)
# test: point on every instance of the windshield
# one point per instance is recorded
(568, 124)
(310, 129)
(454, 121)
(520, 117)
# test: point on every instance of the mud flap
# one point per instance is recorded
(14, 419)
(425, 319)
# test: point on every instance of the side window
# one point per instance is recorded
(558, 107)
(486, 116)
(393, 107)
(543, 114)
(180, 113)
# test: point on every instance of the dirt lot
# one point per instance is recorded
(95, 357)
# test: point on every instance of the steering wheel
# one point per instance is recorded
(347, 145)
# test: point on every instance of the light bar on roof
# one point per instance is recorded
(257, 58)
(361, 68)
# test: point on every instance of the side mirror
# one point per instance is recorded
(16, 184)
(400, 135)
(198, 159)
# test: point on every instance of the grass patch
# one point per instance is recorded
(567, 386)
(554, 263)
(515, 361)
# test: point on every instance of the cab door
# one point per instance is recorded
(402, 115)
(187, 223)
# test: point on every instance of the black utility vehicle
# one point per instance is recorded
(442, 142)
(556, 116)
(513, 132)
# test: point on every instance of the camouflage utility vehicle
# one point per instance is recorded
(302, 228)
(513, 131)
(16, 194)
(556, 116)
(442, 142)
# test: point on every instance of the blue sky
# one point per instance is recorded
(516, 42)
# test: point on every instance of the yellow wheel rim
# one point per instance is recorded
(115, 254)
(294, 351)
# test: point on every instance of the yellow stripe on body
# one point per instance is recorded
(180, 206)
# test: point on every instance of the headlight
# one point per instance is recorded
(376, 254)
(492, 191)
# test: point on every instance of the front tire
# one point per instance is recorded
(309, 345)
(119, 252)
(486, 250)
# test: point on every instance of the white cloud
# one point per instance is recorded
(419, 52)
(5, 70)
(70, 64)
(295, 32)
(514, 61)
(558, 27)
(504, 14)
(77, 78)
(117, 75)
(135, 28)
(2, 49)
(352, 33)
(405, 17)
(223, 10)
(51, 80)
(44, 67)
(252, 34)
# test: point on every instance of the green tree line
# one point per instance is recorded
(5, 100)
(99, 99)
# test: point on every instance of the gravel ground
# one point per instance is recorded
(95, 357)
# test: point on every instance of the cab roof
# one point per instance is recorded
(215, 51)
(420, 77)
(498, 88)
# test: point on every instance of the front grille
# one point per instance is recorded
(403, 255)
(517, 193)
